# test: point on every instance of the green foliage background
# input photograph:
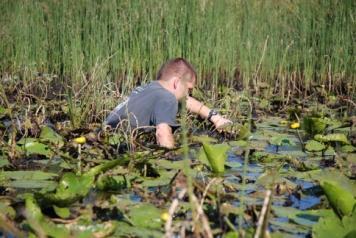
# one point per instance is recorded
(285, 43)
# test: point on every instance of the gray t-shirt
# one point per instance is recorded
(148, 105)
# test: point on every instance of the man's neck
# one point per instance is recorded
(168, 85)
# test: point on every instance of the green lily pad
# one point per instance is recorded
(104, 229)
(216, 154)
(39, 223)
(62, 212)
(33, 146)
(109, 182)
(7, 210)
(281, 141)
(146, 215)
(32, 184)
(305, 218)
(71, 188)
(336, 137)
(4, 163)
(314, 125)
(314, 146)
(126, 230)
(49, 135)
(164, 179)
(203, 139)
(28, 175)
(340, 199)
(168, 164)
(345, 149)
(344, 228)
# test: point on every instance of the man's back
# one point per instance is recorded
(148, 105)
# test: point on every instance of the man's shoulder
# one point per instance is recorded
(156, 88)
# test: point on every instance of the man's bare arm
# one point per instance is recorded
(199, 108)
(164, 135)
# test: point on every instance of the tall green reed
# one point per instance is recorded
(308, 42)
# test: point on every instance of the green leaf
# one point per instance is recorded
(340, 199)
(49, 135)
(314, 146)
(314, 125)
(32, 146)
(28, 175)
(70, 189)
(109, 182)
(62, 212)
(39, 223)
(146, 216)
(7, 210)
(344, 149)
(216, 155)
(336, 137)
(4, 163)
(281, 141)
(164, 179)
(203, 139)
(331, 224)
(32, 184)
(305, 218)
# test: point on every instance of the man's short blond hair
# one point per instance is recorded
(177, 67)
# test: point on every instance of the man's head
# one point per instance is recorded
(179, 74)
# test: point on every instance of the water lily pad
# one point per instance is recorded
(340, 199)
(216, 155)
(32, 184)
(33, 146)
(62, 212)
(49, 135)
(305, 218)
(39, 223)
(203, 139)
(4, 163)
(314, 125)
(71, 188)
(168, 164)
(164, 179)
(345, 149)
(7, 210)
(109, 182)
(28, 175)
(314, 146)
(336, 137)
(97, 230)
(145, 215)
(344, 228)
(281, 140)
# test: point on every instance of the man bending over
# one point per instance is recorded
(156, 104)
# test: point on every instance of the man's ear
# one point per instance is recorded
(175, 82)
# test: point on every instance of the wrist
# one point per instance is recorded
(212, 114)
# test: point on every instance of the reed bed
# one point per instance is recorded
(106, 46)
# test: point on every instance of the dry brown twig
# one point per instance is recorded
(172, 209)
(261, 230)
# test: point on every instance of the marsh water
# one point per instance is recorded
(53, 181)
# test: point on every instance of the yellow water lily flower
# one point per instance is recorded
(80, 140)
(164, 216)
(295, 125)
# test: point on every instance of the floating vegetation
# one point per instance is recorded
(104, 183)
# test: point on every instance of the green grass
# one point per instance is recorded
(288, 44)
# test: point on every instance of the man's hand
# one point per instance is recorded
(164, 135)
(220, 122)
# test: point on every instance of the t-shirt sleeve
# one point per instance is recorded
(165, 111)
